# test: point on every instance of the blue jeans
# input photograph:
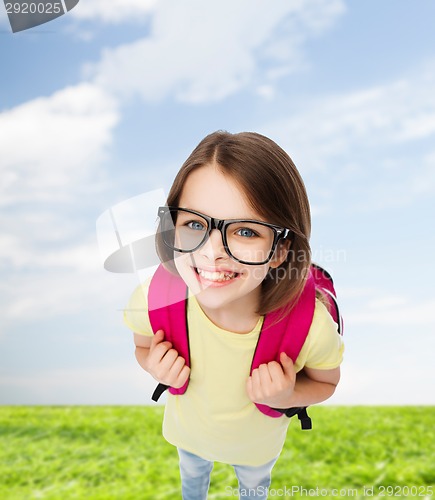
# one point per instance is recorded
(195, 473)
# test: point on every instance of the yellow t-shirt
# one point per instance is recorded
(215, 419)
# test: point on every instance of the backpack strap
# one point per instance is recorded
(325, 283)
(286, 332)
(167, 305)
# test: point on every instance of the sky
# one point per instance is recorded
(101, 106)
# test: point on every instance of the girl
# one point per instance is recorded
(236, 272)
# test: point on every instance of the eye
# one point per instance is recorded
(195, 225)
(245, 232)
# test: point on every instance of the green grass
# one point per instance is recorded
(119, 453)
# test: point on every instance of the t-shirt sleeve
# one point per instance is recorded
(324, 347)
(136, 312)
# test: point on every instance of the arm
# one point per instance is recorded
(314, 386)
(276, 384)
(157, 357)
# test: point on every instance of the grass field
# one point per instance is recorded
(119, 453)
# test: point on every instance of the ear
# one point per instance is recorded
(281, 252)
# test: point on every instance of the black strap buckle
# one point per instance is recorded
(301, 412)
(159, 390)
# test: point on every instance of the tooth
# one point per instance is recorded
(216, 276)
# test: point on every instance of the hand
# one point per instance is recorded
(273, 383)
(165, 364)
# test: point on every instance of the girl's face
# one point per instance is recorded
(221, 284)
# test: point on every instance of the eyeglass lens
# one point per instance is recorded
(246, 241)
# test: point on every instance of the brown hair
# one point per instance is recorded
(273, 187)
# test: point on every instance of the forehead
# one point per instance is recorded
(209, 191)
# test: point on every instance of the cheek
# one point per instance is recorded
(257, 274)
(182, 262)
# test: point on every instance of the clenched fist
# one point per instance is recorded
(165, 364)
(272, 384)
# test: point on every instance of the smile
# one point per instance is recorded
(216, 276)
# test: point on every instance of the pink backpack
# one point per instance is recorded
(167, 303)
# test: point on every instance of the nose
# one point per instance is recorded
(213, 248)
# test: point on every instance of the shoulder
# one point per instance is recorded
(322, 319)
(136, 311)
(323, 348)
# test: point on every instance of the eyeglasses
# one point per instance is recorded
(247, 241)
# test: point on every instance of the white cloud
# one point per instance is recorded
(42, 292)
(393, 310)
(372, 147)
(44, 254)
(385, 115)
(50, 171)
(205, 51)
(115, 11)
(52, 145)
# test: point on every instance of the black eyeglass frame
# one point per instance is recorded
(221, 225)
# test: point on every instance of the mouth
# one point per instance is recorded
(216, 276)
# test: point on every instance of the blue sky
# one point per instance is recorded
(105, 103)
